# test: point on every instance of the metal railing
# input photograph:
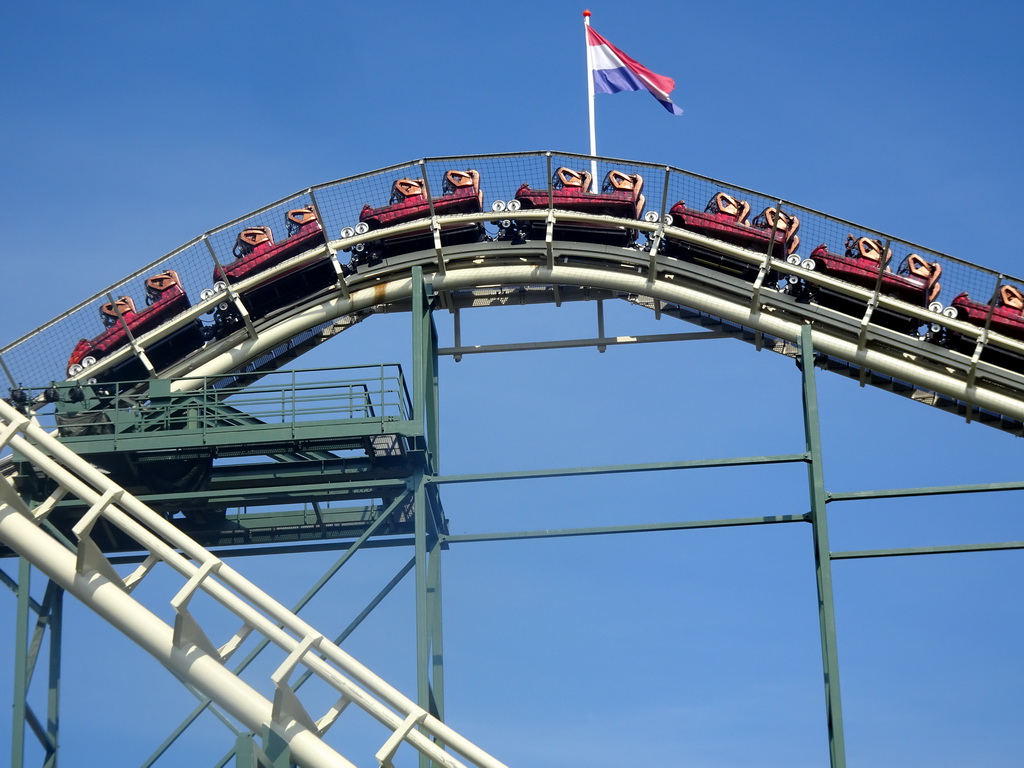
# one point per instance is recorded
(311, 401)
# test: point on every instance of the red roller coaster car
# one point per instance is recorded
(621, 196)
(916, 281)
(725, 218)
(255, 251)
(460, 193)
(166, 298)
(1007, 314)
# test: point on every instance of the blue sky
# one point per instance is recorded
(129, 129)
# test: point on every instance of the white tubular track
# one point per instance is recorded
(852, 339)
(181, 645)
(890, 361)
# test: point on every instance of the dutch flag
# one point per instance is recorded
(613, 71)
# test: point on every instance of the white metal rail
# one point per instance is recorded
(858, 341)
(179, 642)
(887, 352)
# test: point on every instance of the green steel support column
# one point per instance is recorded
(420, 349)
(422, 602)
(21, 665)
(245, 752)
(433, 401)
(53, 695)
(433, 586)
(427, 561)
(822, 561)
(424, 363)
(437, 647)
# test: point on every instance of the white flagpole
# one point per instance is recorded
(590, 98)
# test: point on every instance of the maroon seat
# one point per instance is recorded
(725, 218)
(1007, 315)
(166, 299)
(256, 251)
(461, 193)
(621, 195)
(916, 281)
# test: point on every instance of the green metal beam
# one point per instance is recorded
(420, 373)
(354, 624)
(618, 529)
(333, 545)
(27, 648)
(12, 585)
(429, 675)
(896, 493)
(325, 490)
(437, 630)
(319, 435)
(49, 615)
(822, 562)
(939, 550)
(481, 349)
(340, 470)
(790, 458)
(245, 752)
(423, 633)
(420, 350)
(432, 399)
(20, 704)
(53, 693)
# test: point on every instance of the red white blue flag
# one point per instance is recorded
(613, 71)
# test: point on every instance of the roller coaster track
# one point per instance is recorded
(491, 272)
(498, 272)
